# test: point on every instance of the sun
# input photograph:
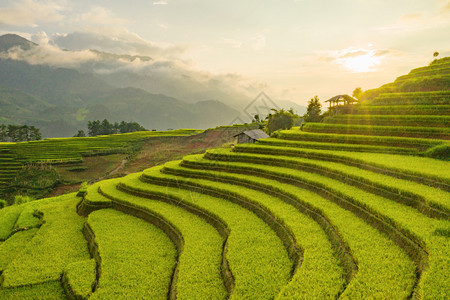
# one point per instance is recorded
(360, 63)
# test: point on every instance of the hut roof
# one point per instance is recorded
(342, 98)
(255, 134)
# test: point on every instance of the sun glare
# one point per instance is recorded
(361, 63)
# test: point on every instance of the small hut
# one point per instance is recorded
(344, 99)
(251, 136)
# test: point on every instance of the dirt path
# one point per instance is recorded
(114, 171)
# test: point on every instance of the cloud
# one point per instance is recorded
(358, 60)
(31, 12)
(47, 54)
(98, 15)
(160, 3)
(164, 73)
(116, 40)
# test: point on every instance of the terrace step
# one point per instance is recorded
(396, 131)
(430, 201)
(429, 110)
(392, 141)
(256, 256)
(197, 242)
(59, 241)
(349, 226)
(389, 120)
(418, 169)
(419, 232)
(148, 254)
(319, 266)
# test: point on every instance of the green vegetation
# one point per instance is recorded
(8, 217)
(257, 258)
(19, 162)
(137, 258)
(391, 120)
(59, 241)
(19, 133)
(425, 168)
(355, 232)
(14, 246)
(417, 195)
(80, 278)
(416, 143)
(337, 146)
(199, 264)
(390, 211)
(439, 152)
(50, 290)
(413, 98)
(320, 270)
(400, 110)
(280, 119)
(314, 110)
(401, 131)
(105, 127)
(300, 215)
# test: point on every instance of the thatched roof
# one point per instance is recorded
(342, 98)
(255, 134)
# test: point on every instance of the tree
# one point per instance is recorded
(313, 111)
(280, 119)
(105, 127)
(80, 134)
(436, 54)
(357, 93)
(35, 134)
(94, 128)
(3, 133)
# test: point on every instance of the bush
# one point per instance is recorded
(281, 119)
(3, 203)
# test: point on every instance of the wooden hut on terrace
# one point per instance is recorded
(341, 100)
(251, 136)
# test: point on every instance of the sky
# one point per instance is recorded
(291, 49)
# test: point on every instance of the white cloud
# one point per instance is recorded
(31, 12)
(116, 40)
(160, 3)
(47, 54)
(98, 15)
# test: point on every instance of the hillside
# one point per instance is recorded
(432, 78)
(356, 207)
(71, 97)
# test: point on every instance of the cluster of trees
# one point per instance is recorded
(285, 119)
(105, 127)
(19, 133)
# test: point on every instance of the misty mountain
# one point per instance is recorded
(9, 41)
(60, 100)
(57, 86)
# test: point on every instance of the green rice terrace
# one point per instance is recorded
(355, 207)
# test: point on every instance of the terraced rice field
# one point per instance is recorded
(300, 215)
(70, 151)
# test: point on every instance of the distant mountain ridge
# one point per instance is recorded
(9, 41)
(61, 100)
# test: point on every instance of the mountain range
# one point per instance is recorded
(61, 100)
